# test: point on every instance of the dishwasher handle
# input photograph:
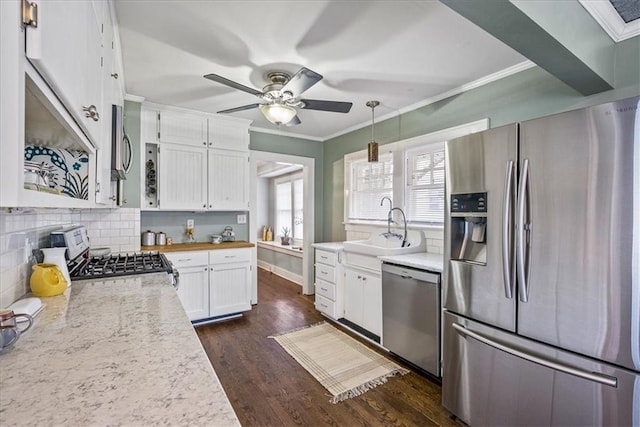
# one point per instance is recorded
(411, 273)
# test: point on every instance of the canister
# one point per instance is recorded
(161, 239)
(148, 238)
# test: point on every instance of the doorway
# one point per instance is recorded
(265, 164)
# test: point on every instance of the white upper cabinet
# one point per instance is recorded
(112, 94)
(66, 49)
(182, 177)
(56, 96)
(203, 159)
(183, 128)
(228, 180)
(224, 132)
(150, 125)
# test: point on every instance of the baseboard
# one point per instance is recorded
(285, 274)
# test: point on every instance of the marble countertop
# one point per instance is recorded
(421, 260)
(118, 351)
(329, 246)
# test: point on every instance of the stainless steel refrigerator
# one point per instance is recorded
(542, 271)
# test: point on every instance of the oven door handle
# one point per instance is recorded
(175, 274)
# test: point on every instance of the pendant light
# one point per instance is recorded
(372, 148)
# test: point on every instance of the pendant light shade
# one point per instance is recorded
(278, 114)
(372, 148)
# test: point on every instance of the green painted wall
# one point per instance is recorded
(297, 147)
(529, 94)
(287, 262)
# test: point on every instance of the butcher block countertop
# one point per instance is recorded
(199, 246)
(107, 352)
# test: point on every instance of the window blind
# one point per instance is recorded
(424, 192)
(283, 207)
(370, 182)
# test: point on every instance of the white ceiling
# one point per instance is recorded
(401, 53)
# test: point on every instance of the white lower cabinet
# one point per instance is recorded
(213, 283)
(194, 291)
(329, 279)
(363, 299)
(229, 281)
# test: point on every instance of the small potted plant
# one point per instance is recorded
(285, 239)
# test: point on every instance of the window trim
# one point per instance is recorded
(398, 150)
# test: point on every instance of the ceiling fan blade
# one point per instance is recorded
(231, 83)
(334, 106)
(244, 107)
(301, 81)
(294, 121)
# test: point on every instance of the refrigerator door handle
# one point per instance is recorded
(523, 285)
(507, 230)
(551, 364)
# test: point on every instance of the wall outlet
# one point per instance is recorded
(242, 219)
(190, 223)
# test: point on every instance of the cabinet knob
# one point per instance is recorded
(114, 75)
(91, 112)
(112, 198)
(204, 206)
(204, 143)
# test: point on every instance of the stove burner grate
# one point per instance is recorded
(122, 265)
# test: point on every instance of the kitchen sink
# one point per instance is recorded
(381, 245)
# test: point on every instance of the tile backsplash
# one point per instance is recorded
(23, 230)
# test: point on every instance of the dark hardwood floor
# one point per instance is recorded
(267, 387)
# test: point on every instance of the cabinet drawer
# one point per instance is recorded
(325, 257)
(220, 256)
(325, 272)
(326, 289)
(188, 259)
(325, 306)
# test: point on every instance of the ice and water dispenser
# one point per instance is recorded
(468, 227)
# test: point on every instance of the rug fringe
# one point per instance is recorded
(357, 391)
(298, 329)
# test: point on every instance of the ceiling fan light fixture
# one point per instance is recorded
(278, 114)
(372, 147)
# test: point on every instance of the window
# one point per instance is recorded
(370, 182)
(410, 172)
(424, 184)
(289, 203)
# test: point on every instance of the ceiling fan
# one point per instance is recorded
(282, 95)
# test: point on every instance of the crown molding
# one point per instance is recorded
(456, 91)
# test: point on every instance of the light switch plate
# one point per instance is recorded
(189, 223)
(242, 219)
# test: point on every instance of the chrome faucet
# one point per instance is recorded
(404, 220)
(389, 219)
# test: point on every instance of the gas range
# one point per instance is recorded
(121, 265)
(83, 266)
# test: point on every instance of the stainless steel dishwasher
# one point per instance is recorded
(411, 315)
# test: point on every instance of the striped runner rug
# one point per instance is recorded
(345, 367)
